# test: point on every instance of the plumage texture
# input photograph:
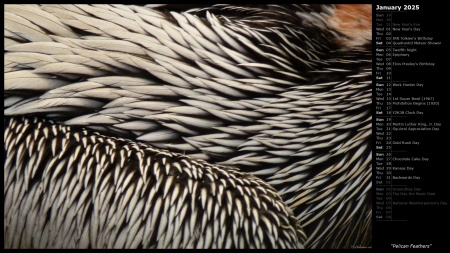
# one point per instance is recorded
(281, 92)
(102, 192)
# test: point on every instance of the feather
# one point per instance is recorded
(27, 80)
(25, 28)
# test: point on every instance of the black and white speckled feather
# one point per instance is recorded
(72, 188)
(266, 89)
